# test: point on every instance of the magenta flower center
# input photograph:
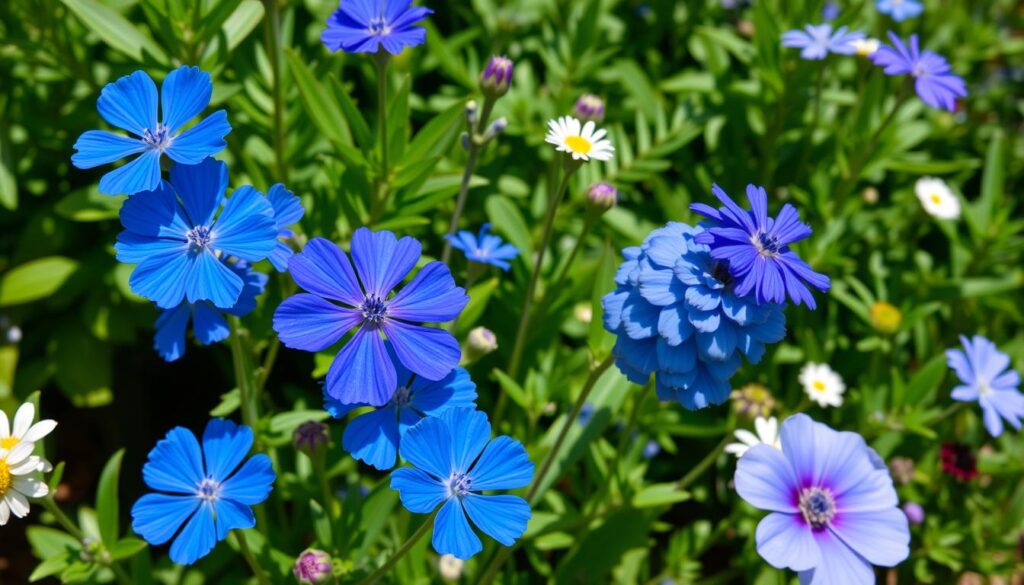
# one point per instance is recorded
(374, 309)
(458, 485)
(817, 506)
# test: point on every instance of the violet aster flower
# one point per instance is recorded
(484, 248)
(366, 26)
(757, 248)
(933, 81)
(988, 379)
(818, 40)
(900, 10)
(833, 513)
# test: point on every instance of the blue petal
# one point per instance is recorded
(470, 431)
(431, 297)
(97, 147)
(702, 299)
(202, 140)
(280, 256)
(252, 483)
(503, 518)
(255, 283)
(157, 517)
(161, 278)
(839, 564)
(130, 103)
(175, 464)
(765, 480)
(197, 539)
(225, 444)
(232, 515)
(660, 287)
(680, 359)
(639, 317)
(288, 208)
(455, 390)
(428, 446)
(720, 344)
(382, 260)
(674, 324)
(246, 227)
(787, 542)
(142, 174)
(184, 94)
(882, 537)
(373, 437)
(323, 269)
(169, 340)
(155, 214)
(504, 465)
(209, 279)
(419, 492)
(201, 188)
(308, 322)
(431, 353)
(208, 325)
(452, 532)
(362, 372)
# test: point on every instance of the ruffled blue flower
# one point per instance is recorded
(934, 81)
(341, 301)
(484, 248)
(454, 460)
(900, 10)
(366, 26)
(179, 241)
(987, 378)
(288, 210)
(756, 247)
(677, 315)
(374, 437)
(208, 323)
(817, 41)
(201, 494)
(130, 103)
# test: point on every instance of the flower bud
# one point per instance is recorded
(480, 342)
(450, 567)
(753, 400)
(603, 196)
(497, 127)
(914, 512)
(497, 77)
(589, 107)
(885, 318)
(311, 437)
(312, 567)
(870, 195)
(584, 312)
(471, 113)
(464, 141)
(902, 470)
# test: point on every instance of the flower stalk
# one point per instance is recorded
(401, 552)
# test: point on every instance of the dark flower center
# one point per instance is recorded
(159, 139)
(199, 237)
(458, 485)
(817, 506)
(208, 490)
(402, 397)
(374, 309)
(379, 26)
(766, 244)
(720, 270)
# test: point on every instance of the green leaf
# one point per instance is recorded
(49, 542)
(925, 382)
(35, 280)
(49, 567)
(8, 179)
(479, 296)
(89, 205)
(994, 177)
(126, 548)
(598, 340)
(659, 494)
(513, 389)
(116, 31)
(286, 422)
(321, 525)
(363, 135)
(106, 499)
(507, 220)
(435, 138)
(232, 30)
(320, 106)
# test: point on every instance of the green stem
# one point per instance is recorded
(62, 518)
(808, 146)
(474, 151)
(320, 469)
(580, 241)
(704, 464)
(948, 412)
(381, 60)
(243, 546)
(273, 43)
(405, 548)
(865, 155)
(243, 375)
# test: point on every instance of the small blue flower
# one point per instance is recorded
(366, 26)
(484, 248)
(651, 449)
(454, 460)
(817, 41)
(208, 323)
(756, 247)
(988, 379)
(374, 437)
(288, 210)
(900, 10)
(830, 11)
(204, 490)
(130, 103)
(179, 242)
(933, 80)
(364, 372)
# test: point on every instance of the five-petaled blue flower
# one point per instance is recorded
(288, 210)
(454, 459)
(363, 371)
(204, 490)
(757, 248)
(900, 10)
(817, 41)
(484, 248)
(833, 512)
(179, 242)
(933, 81)
(130, 103)
(366, 26)
(374, 437)
(988, 379)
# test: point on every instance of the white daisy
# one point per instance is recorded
(865, 47)
(19, 481)
(937, 198)
(823, 385)
(24, 431)
(582, 141)
(767, 433)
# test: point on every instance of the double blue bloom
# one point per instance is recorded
(368, 26)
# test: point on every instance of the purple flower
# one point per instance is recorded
(757, 248)
(833, 513)
(934, 83)
(914, 512)
(497, 77)
(988, 379)
(366, 26)
(900, 10)
(817, 41)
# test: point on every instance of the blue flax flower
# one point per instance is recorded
(130, 103)
(179, 241)
(484, 248)
(676, 314)
(374, 437)
(833, 513)
(208, 323)
(756, 247)
(900, 10)
(288, 210)
(933, 81)
(454, 460)
(202, 494)
(363, 372)
(366, 26)
(818, 40)
(987, 378)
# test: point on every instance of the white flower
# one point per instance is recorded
(823, 385)
(937, 198)
(582, 143)
(24, 431)
(767, 433)
(865, 47)
(19, 481)
(450, 567)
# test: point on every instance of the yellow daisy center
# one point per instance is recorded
(818, 385)
(936, 198)
(578, 144)
(5, 477)
(9, 442)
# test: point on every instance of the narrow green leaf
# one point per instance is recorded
(435, 138)
(106, 499)
(116, 31)
(994, 177)
(8, 180)
(360, 128)
(507, 220)
(126, 548)
(321, 108)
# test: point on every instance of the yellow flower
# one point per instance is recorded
(885, 317)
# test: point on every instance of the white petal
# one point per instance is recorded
(5, 512)
(17, 502)
(30, 487)
(40, 430)
(573, 126)
(747, 437)
(23, 419)
(27, 466)
(5, 426)
(737, 449)
(19, 453)
(588, 131)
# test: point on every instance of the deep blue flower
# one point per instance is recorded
(341, 301)
(208, 323)
(288, 210)
(756, 247)
(454, 460)
(900, 10)
(933, 81)
(374, 437)
(484, 248)
(817, 41)
(987, 378)
(676, 314)
(366, 26)
(179, 241)
(130, 103)
(204, 490)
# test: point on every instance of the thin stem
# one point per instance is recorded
(865, 155)
(320, 469)
(819, 86)
(268, 363)
(948, 412)
(699, 469)
(273, 42)
(62, 518)
(405, 548)
(379, 199)
(475, 147)
(243, 376)
(580, 241)
(243, 546)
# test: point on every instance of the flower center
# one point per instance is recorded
(379, 26)
(9, 442)
(720, 272)
(766, 244)
(5, 477)
(458, 485)
(402, 397)
(158, 139)
(374, 309)
(199, 237)
(936, 199)
(817, 506)
(819, 385)
(208, 490)
(578, 144)
(984, 389)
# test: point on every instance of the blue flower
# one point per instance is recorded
(900, 10)
(204, 490)
(374, 437)
(676, 314)
(288, 210)
(933, 81)
(756, 247)
(833, 513)
(454, 459)
(176, 237)
(484, 248)
(366, 26)
(988, 379)
(208, 324)
(817, 41)
(130, 103)
(363, 372)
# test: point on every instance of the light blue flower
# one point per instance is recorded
(484, 248)
(818, 40)
(987, 378)
(934, 80)
(900, 10)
